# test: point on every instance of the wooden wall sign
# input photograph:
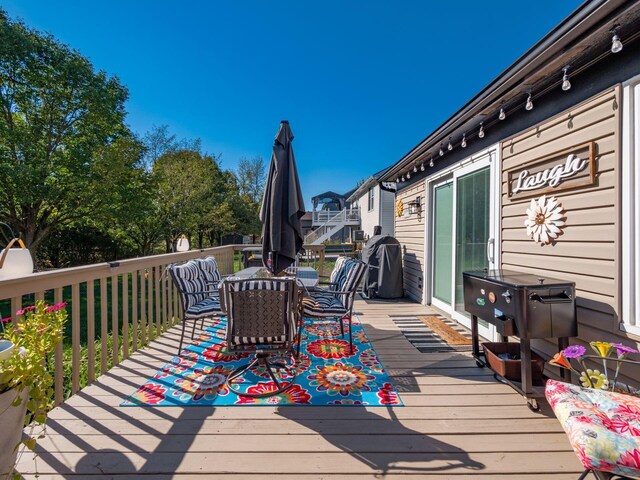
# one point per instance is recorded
(571, 168)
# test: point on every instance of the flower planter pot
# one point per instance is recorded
(12, 421)
(510, 369)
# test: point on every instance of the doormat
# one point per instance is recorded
(444, 331)
(440, 334)
(328, 374)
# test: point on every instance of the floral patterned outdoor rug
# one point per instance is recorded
(328, 374)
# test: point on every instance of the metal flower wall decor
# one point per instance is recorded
(544, 220)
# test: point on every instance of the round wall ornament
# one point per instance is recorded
(544, 220)
(399, 208)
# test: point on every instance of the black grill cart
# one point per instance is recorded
(521, 305)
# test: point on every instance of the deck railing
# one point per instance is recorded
(114, 308)
(332, 217)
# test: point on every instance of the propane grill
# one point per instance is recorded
(522, 305)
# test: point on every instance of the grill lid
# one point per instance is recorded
(510, 278)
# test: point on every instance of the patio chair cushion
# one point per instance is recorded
(190, 282)
(323, 305)
(210, 271)
(603, 427)
(204, 308)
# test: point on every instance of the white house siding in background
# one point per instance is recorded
(381, 213)
(410, 233)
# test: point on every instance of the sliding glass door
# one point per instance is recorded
(442, 241)
(462, 234)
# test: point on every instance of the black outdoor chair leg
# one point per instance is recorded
(584, 474)
(261, 359)
(193, 330)
(300, 330)
(342, 327)
(350, 336)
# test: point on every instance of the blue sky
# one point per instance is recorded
(360, 81)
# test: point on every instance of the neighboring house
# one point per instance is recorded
(376, 205)
(563, 121)
(333, 218)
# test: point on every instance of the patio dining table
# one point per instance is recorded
(307, 277)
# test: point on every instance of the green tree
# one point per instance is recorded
(252, 175)
(190, 188)
(159, 140)
(56, 114)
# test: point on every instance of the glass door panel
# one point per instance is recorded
(472, 227)
(443, 242)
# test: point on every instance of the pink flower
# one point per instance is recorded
(5, 320)
(25, 310)
(57, 306)
(623, 350)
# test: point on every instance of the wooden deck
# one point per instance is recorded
(458, 422)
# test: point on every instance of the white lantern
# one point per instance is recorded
(15, 262)
(182, 245)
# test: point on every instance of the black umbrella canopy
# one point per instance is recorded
(282, 206)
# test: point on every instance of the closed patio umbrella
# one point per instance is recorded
(282, 206)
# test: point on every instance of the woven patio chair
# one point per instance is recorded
(336, 302)
(198, 298)
(261, 318)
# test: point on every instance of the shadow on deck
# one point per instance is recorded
(457, 422)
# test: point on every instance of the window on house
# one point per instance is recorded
(371, 198)
(630, 187)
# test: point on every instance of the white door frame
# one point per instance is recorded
(488, 157)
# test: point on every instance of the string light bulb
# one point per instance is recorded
(408, 175)
(449, 147)
(441, 152)
(403, 178)
(529, 105)
(616, 43)
(464, 140)
(566, 84)
(431, 162)
(502, 115)
(422, 167)
(415, 169)
(398, 180)
(481, 131)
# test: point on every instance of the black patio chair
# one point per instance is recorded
(336, 302)
(199, 299)
(261, 318)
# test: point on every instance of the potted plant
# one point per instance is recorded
(26, 386)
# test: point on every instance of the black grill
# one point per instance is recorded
(522, 305)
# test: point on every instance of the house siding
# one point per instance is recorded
(588, 251)
(381, 214)
(409, 230)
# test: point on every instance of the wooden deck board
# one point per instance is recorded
(457, 422)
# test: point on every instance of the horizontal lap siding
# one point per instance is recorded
(410, 233)
(588, 250)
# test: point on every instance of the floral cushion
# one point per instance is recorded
(603, 427)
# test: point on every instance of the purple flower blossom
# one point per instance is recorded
(623, 350)
(574, 351)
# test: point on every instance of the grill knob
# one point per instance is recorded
(541, 280)
(507, 296)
